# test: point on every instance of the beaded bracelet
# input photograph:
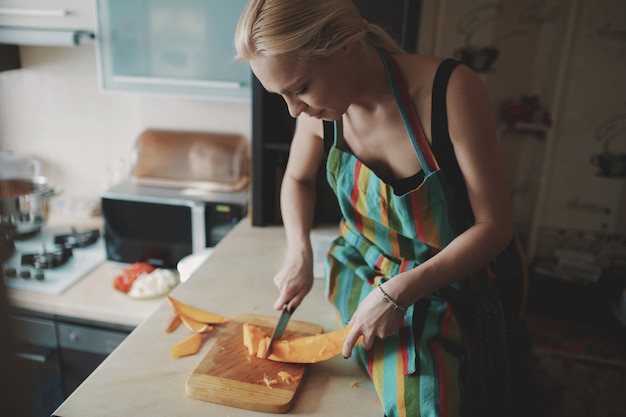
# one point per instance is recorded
(387, 299)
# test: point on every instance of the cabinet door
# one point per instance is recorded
(183, 48)
(47, 14)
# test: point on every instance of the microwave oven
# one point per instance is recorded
(162, 225)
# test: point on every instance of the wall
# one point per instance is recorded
(52, 109)
(570, 55)
(591, 121)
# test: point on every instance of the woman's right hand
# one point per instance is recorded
(294, 280)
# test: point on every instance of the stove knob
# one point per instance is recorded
(25, 273)
(10, 272)
(39, 275)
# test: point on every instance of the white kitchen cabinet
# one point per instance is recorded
(47, 14)
(183, 48)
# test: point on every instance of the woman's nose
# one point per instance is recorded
(295, 106)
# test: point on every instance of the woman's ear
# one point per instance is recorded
(349, 48)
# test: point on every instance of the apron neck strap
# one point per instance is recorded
(408, 113)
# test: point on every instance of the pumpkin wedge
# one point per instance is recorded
(173, 324)
(189, 346)
(194, 325)
(305, 349)
(252, 336)
(194, 313)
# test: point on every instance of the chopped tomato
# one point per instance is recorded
(125, 280)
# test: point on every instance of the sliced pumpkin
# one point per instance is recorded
(173, 324)
(252, 336)
(195, 313)
(305, 349)
(194, 325)
(189, 346)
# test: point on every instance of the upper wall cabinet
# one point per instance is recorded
(47, 14)
(181, 48)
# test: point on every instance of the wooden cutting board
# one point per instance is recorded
(228, 375)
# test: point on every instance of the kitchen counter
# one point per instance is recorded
(141, 378)
(91, 298)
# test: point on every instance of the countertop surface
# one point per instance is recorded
(141, 378)
(91, 298)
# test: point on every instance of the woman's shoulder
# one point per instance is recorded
(423, 62)
(418, 67)
(420, 71)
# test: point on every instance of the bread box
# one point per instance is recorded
(202, 160)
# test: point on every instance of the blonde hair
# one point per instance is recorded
(304, 29)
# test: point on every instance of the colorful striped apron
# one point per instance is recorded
(416, 371)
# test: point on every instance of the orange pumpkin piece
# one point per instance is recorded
(194, 325)
(173, 324)
(195, 313)
(305, 349)
(252, 336)
(189, 346)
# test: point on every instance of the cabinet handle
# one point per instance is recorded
(43, 37)
(6, 11)
(34, 357)
(176, 82)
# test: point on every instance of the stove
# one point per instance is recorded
(51, 261)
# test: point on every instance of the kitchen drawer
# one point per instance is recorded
(35, 331)
(88, 339)
(48, 14)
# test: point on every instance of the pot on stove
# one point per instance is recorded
(24, 203)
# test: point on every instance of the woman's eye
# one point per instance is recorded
(300, 92)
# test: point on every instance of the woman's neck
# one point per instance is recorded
(373, 91)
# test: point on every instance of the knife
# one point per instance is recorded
(280, 328)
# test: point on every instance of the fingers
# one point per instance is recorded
(280, 302)
(292, 290)
(354, 338)
(290, 297)
(366, 331)
(295, 302)
(291, 304)
(285, 295)
(349, 343)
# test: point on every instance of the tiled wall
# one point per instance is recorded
(52, 109)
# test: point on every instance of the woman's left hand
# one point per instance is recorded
(373, 319)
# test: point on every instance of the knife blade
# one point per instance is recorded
(281, 325)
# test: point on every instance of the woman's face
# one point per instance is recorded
(319, 88)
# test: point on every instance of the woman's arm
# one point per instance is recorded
(297, 201)
(473, 133)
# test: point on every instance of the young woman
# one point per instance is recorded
(411, 151)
